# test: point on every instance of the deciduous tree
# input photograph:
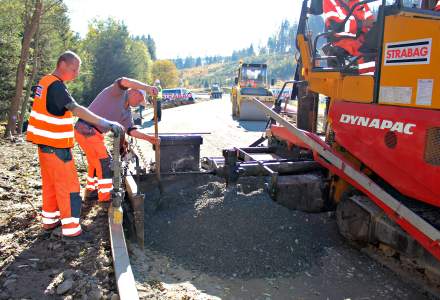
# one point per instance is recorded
(30, 28)
(166, 72)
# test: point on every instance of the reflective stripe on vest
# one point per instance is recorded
(45, 128)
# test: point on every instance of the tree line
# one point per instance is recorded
(33, 33)
(278, 53)
(280, 42)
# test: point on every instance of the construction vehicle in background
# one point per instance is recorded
(377, 162)
(216, 92)
(251, 81)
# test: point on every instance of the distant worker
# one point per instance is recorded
(349, 39)
(113, 103)
(437, 6)
(51, 128)
(159, 100)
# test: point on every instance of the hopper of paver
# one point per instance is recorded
(180, 153)
(179, 162)
(241, 171)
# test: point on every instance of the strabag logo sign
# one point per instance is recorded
(415, 52)
(405, 128)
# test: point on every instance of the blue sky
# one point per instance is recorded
(190, 27)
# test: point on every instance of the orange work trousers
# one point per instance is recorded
(99, 174)
(61, 198)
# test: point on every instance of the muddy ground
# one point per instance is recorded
(35, 264)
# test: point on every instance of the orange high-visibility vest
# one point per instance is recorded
(437, 6)
(351, 37)
(45, 128)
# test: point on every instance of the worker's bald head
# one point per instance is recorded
(68, 57)
(68, 66)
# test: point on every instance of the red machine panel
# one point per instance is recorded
(401, 145)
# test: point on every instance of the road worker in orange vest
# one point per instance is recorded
(351, 36)
(113, 103)
(51, 128)
(437, 6)
(349, 39)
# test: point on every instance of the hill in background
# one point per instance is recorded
(278, 53)
(280, 67)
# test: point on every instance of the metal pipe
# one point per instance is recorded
(180, 133)
(117, 192)
(254, 169)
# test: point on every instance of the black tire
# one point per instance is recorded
(234, 107)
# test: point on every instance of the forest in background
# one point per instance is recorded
(33, 33)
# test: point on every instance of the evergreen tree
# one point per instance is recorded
(198, 62)
(149, 43)
(271, 44)
(178, 62)
(189, 62)
(111, 53)
(262, 51)
(250, 51)
(151, 47)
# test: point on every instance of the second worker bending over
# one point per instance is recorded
(113, 103)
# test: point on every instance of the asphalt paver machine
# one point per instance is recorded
(378, 160)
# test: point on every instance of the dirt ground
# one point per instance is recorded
(35, 264)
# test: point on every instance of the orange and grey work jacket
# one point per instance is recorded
(45, 128)
(351, 35)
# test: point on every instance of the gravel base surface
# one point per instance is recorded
(237, 233)
(206, 242)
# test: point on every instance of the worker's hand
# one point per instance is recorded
(152, 139)
(152, 91)
(115, 127)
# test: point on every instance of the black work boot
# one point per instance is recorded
(84, 237)
(51, 227)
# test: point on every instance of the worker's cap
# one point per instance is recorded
(144, 96)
